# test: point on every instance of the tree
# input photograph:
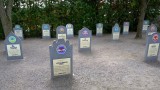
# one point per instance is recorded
(143, 8)
(5, 15)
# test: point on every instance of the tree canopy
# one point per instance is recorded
(31, 14)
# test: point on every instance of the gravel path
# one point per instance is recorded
(111, 65)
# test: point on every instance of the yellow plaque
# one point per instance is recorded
(153, 49)
(99, 30)
(115, 35)
(46, 33)
(70, 31)
(62, 36)
(126, 28)
(14, 50)
(61, 66)
(145, 27)
(84, 42)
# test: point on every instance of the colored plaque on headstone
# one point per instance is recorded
(61, 56)
(84, 39)
(151, 29)
(18, 31)
(116, 32)
(152, 47)
(125, 28)
(145, 25)
(61, 32)
(99, 29)
(13, 47)
(46, 31)
(70, 30)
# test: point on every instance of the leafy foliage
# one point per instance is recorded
(31, 14)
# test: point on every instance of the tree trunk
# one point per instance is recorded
(143, 7)
(5, 15)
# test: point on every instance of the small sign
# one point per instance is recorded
(61, 49)
(152, 47)
(46, 31)
(155, 38)
(84, 39)
(125, 28)
(70, 33)
(13, 47)
(99, 29)
(61, 32)
(61, 56)
(116, 32)
(145, 25)
(18, 31)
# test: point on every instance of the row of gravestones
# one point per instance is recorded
(70, 32)
(61, 52)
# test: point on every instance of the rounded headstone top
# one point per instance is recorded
(61, 29)
(69, 25)
(17, 26)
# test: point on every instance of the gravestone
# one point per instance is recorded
(99, 29)
(125, 28)
(18, 31)
(152, 47)
(116, 32)
(70, 33)
(13, 47)
(46, 31)
(84, 39)
(61, 32)
(145, 25)
(61, 58)
(151, 29)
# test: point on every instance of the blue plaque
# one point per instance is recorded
(152, 47)
(61, 32)
(99, 29)
(116, 32)
(18, 31)
(84, 39)
(13, 47)
(61, 58)
(70, 30)
(125, 28)
(145, 25)
(46, 31)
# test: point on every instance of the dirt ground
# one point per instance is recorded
(111, 65)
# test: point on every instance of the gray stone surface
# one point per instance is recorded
(111, 65)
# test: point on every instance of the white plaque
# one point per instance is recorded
(84, 42)
(125, 28)
(61, 66)
(150, 33)
(46, 32)
(70, 31)
(18, 33)
(153, 49)
(99, 30)
(13, 50)
(145, 27)
(115, 35)
(62, 36)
